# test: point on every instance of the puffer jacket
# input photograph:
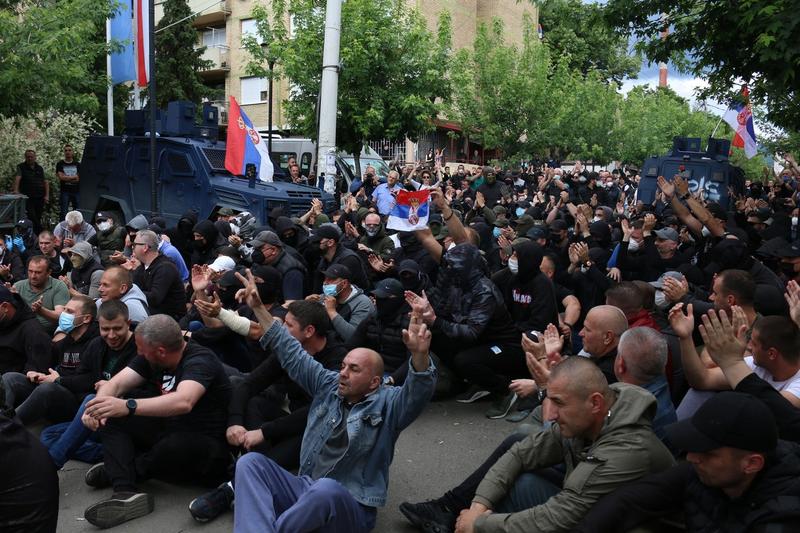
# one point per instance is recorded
(625, 450)
(469, 307)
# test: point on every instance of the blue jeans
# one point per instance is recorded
(529, 490)
(72, 440)
(270, 499)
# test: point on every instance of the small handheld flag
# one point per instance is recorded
(740, 118)
(410, 211)
(244, 146)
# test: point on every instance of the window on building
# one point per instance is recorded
(214, 37)
(250, 27)
(254, 90)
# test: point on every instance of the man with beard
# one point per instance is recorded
(43, 294)
(177, 435)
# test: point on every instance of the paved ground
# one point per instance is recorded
(433, 454)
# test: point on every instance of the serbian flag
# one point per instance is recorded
(142, 31)
(410, 211)
(245, 146)
(740, 118)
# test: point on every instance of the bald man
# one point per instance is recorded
(348, 444)
(602, 328)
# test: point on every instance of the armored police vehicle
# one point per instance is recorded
(190, 163)
(708, 170)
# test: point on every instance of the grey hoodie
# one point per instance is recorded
(136, 302)
(355, 309)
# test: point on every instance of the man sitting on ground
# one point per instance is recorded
(43, 294)
(158, 277)
(116, 284)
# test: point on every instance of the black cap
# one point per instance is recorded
(6, 295)
(717, 211)
(408, 265)
(328, 231)
(387, 288)
(269, 275)
(788, 250)
(338, 271)
(102, 216)
(727, 419)
(537, 232)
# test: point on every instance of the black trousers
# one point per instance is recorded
(284, 449)
(141, 448)
(34, 207)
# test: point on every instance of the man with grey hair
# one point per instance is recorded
(73, 229)
(178, 435)
(641, 358)
(158, 277)
(384, 194)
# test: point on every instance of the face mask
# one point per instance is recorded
(496, 232)
(581, 180)
(520, 211)
(706, 232)
(257, 257)
(76, 260)
(104, 225)
(795, 220)
(371, 232)
(633, 246)
(387, 307)
(661, 300)
(788, 270)
(513, 265)
(330, 289)
(452, 245)
(66, 322)
(596, 219)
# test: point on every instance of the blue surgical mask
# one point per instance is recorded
(496, 232)
(66, 322)
(520, 211)
(330, 290)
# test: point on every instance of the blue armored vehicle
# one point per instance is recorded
(708, 170)
(190, 167)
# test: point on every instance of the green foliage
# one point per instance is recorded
(752, 41)
(46, 132)
(178, 63)
(391, 80)
(48, 52)
(577, 31)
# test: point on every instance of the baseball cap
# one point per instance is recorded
(728, 419)
(537, 232)
(266, 237)
(500, 210)
(659, 283)
(789, 250)
(501, 223)
(102, 216)
(222, 263)
(408, 265)
(6, 295)
(523, 223)
(83, 249)
(226, 212)
(668, 234)
(558, 225)
(338, 271)
(387, 288)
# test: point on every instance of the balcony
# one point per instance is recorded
(219, 55)
(209, 14)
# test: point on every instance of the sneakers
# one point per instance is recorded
(502, 406)
(121, 507)
(430, 517)
(473, 394)
(212, 504)
(97, 477)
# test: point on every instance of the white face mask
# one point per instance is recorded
(795, 220)
(633, 246)
(661, 300)
(104, 225)
(452, 245)
(597, 219)
(513, 265)
(706, 232)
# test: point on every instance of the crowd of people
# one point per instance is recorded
(652, 350)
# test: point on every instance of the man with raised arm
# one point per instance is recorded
(348, 445)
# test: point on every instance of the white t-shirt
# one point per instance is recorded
(791, 385)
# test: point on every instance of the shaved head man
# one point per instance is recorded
(361, 373)
(602, 328)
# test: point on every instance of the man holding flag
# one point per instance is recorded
(245, 146)
(740, 118)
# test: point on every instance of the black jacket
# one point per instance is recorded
(161, 284)
(773, 499)
(386, 338)
(530, 295)
(350, 259)
(24, 345)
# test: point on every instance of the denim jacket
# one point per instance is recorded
(373, 424)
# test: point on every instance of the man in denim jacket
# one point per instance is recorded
(348, 444)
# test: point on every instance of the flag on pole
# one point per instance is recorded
(740, 117)
(410, 211)
(540, 31)
(244, 146)
(123, 66)
(142, 15)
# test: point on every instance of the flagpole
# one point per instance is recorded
(152, 97)
(713, 132)
(110, 89)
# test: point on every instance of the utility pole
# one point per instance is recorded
(329, 92)
(153, 109)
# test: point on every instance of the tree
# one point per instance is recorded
(178, 63)
(47, 55)
(580, 32)
(391, 82)
(726, 43)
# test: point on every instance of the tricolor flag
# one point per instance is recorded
(740, 118)
(142, 31)
(410, 211)
(123, 67)
(244, 146)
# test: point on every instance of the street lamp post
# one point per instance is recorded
(269, 111)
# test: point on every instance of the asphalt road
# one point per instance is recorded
(436, 452)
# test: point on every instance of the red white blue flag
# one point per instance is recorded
(740, 118)
(410, 211)
(244, 146)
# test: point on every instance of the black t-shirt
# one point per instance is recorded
(69, 169)
(209, 415)
(31, 183)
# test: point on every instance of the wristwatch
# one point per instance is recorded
(131, 405)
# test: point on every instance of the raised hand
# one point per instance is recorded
(649, 222)
(249, 294)
(675, 290)
(200, 278)
(420, 306)
(627, 230)
(417, 337)
(682, 324)
(553, 341)
(209, 309)
(722, 340)
(480, 201)
(376, 263)
(534, 347)
(666, 187)
(793, 299)
(681, 185)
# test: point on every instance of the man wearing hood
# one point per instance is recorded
(207, 242)
(181, 235)
(292, 235)
(491, 189)
(86, 271)
(334, 252)
(116, 284)
(24, 346)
